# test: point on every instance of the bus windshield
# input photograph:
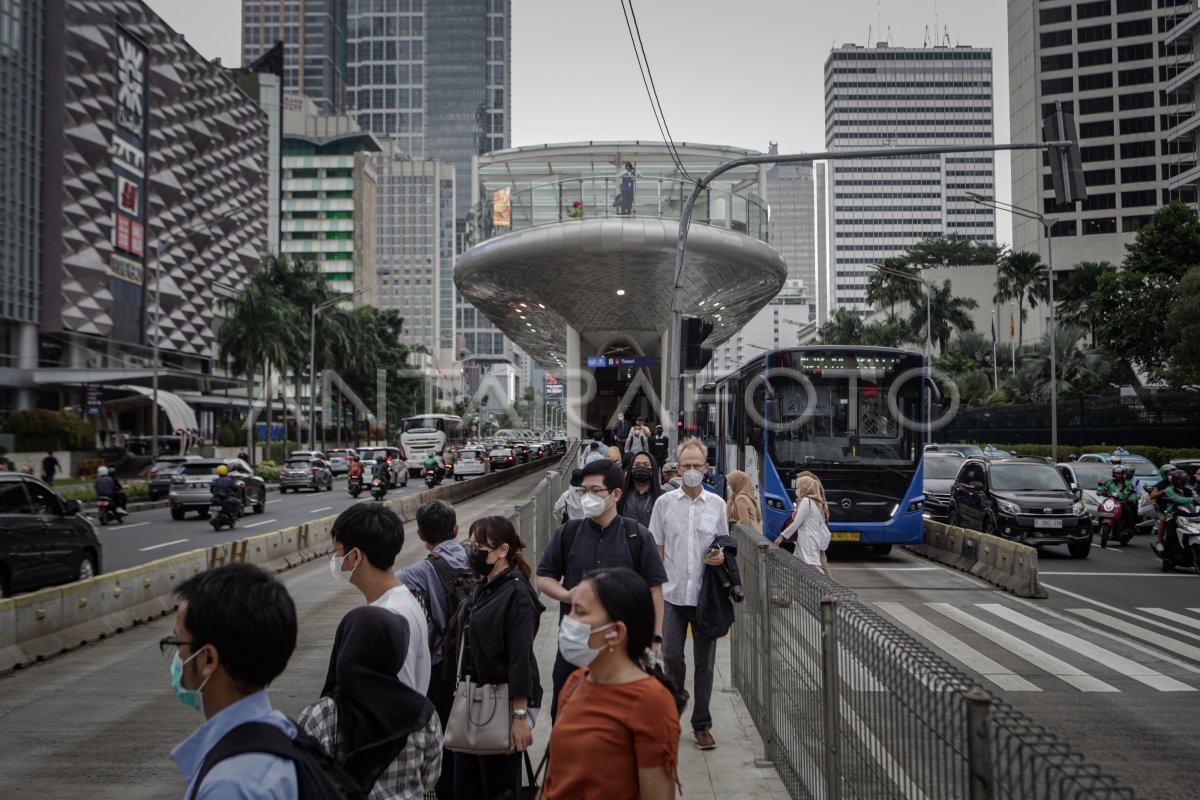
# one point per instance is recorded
(424, 423)
(841, 415)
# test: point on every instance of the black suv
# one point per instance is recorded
(43, 540)
(939, 469)
(1025, 499)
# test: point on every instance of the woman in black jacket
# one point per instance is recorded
(498, 626)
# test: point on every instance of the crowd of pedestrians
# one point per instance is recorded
(433, 687)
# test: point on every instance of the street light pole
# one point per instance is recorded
(1047, 223)
(312, 359)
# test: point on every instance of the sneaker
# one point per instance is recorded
(705, 740)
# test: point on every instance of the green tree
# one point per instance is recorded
(1024, 278)
(1130, 325)
(1181, 331)
(890, 332)
(953, 251)
(1077, 365)
(843, 327)
(890, 286)
(946, 314)
(967, 351)
(1168, 245)
(1075, 294)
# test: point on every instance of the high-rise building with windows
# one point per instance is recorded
(313, 33)
(1121, 68)
(881, 97)
(796, 193)
(416, 248)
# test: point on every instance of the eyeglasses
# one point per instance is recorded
(686, 467)
(168, 646)
(594, 491)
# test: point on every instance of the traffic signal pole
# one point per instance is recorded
(678, 298)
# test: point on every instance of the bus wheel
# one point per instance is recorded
(881, 549)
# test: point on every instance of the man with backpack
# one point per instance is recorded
(605, 539)
(235, 630)
(443, 580)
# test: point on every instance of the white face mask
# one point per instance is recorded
(693, 478)
(573, 637)
(335, 566)
(593, 506)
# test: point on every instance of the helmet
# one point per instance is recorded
(222, 470)
(102, 471)
(1115, 459)
(354, 458)
(1165, 471)
(1179, 477)
(1118, 472)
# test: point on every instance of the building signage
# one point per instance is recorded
(502, 208)
(130, 164)
(599, 362)
(554, 389)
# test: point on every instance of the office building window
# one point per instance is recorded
(1093, 10)
(1054, 16)
(1095, 58)
(1095, 33)
(1099, 225)
(1056, 39)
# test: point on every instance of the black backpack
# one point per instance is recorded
(630, 526)
(457, 586)
(318, 775)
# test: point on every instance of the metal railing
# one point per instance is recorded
(534, 518)
(600, 198)
(849, 705)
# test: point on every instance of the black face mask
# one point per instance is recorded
(477, 560)
(640, 474)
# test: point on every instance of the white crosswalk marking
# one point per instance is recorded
(1107, 658)
(1057, 667)
(1138, 632)
(1171, 615)
(992, 670)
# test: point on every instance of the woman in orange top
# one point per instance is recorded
(617, 733)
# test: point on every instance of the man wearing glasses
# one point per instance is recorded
(235, 630)
(684, 524)
(604, 539)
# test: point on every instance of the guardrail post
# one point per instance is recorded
(764, 655)
(979, 751)
(831, 696)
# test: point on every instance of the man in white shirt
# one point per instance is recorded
(367, 537)
(684, 524)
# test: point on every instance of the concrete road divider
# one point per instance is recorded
(1012, 566)
(45, 623)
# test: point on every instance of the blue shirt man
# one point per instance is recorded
(423, 578)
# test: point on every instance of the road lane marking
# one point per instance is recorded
(315, 510)
(1024, 650)
(1118, 574)
(1118, 663)
(835, 565)
(256, 524)
(164, 544)
(280, 500)
(960, 651)
(1171, 615)
(1138, 632)
(130, 525)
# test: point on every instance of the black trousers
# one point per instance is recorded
(441, 694)
(486, 777)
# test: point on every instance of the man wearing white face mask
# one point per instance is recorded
(604, 539)
(684, 524)
(367, 537)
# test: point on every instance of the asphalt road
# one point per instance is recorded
(148, 535)
(1110, 662)
(100, 722)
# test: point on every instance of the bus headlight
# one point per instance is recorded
(775, 504)
(916, 505)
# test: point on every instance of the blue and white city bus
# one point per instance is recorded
(851, 415)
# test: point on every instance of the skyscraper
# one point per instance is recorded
(313, 33)
(796, 193)
(885, 96)
(1123, 70)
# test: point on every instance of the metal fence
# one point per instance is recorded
(534, 518)
(850, 706)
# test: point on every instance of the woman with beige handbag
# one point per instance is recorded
(499, 689)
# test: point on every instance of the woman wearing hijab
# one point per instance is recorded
(743, 505)
(809, 528)
(641, 489)
(385, 735)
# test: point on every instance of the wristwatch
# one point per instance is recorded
(657, 639)
(520, 713)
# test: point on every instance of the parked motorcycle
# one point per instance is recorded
(1184, 550)
(1113, 524)
(355, 485)
(221, 514)
(378, 488)
(107, 511)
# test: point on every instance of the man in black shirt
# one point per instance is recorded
(50, 466)
(604, 539)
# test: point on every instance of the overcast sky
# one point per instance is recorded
(742, 73)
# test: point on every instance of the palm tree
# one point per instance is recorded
(1076, 292)
(891, 332)
(946, 313)
(1076, 363)
(888, 286)
(843, 327)
(1024, 278)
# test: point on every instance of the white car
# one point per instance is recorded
(470, 462)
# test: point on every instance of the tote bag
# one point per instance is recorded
(480, 717)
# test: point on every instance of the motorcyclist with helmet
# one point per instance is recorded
(1160, 511)
(356, 467)
(383, 471)
(1177, 494)
(107, 485)
(1120, 488)
(227, 493)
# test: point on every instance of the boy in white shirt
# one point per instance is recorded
(367, 537)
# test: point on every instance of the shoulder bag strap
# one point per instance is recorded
(249, 737)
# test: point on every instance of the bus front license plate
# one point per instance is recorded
(845, 536)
